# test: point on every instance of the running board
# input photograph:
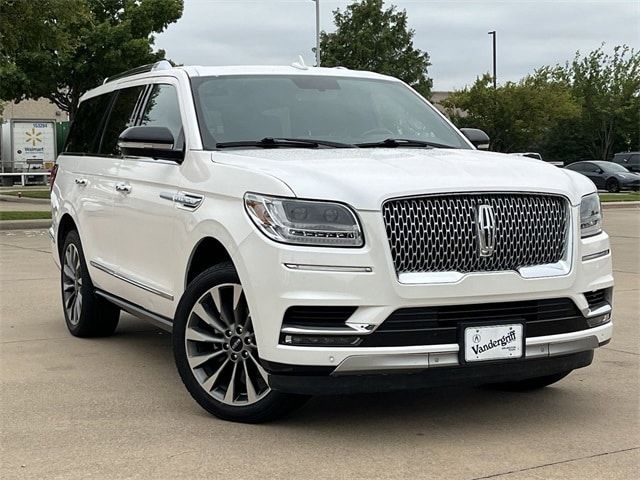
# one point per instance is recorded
(159, 321)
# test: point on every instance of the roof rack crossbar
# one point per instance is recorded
(160, 65)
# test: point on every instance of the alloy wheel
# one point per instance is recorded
(72, 284)
(221, 347)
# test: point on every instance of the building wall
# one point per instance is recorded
(41, 109)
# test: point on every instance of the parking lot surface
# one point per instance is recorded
(115, 407)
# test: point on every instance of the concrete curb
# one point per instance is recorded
(607, 205)
(33, 201)
(24, 224)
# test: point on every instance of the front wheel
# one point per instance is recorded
(612, 185)
(530, 384)
(215, 351)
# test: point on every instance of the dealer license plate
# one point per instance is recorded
(495, 342)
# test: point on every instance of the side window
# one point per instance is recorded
(119, 119)
(86, 127)
(634, 160)
(163, 110)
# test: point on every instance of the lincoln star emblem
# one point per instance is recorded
(486, 230)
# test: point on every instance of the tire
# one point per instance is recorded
(216, 354)
(530, 384)
(85, 314)
(612, 185)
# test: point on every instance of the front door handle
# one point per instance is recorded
(81, 181)
(123, 187)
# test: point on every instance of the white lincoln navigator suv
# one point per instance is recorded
(305, 231)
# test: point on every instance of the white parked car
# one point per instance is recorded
(306, 231)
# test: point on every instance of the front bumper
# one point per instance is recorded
(468, 375)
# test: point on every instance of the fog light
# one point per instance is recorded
(599, 320)
(322, 341)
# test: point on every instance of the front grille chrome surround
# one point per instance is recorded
(438, 233)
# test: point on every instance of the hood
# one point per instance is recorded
(364, 178)
(627, 175)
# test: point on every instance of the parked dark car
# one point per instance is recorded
(607, 175)
(629, 160)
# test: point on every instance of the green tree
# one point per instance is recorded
(59, 49)
(516, 116)
(369, 37)
(607, 89)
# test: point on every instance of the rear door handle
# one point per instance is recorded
(123, 187)
(82, 182)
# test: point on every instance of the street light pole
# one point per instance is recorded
(495, 77)
(317, 2)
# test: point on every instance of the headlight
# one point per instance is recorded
(590, 215)
(303, 222)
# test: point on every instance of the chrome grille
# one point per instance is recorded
(438, 233)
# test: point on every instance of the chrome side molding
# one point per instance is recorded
(130, 281)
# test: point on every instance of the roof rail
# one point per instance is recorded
(160, 65)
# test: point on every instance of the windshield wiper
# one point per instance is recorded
(402, 142)
(273, 142)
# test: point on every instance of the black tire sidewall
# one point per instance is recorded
(87, 287)
(98, 317)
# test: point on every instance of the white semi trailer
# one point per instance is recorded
(28, 146)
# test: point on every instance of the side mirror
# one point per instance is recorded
(154, 142)
(477, 137)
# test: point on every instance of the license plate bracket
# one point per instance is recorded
(492, 342)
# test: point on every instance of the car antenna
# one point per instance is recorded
(300, 65)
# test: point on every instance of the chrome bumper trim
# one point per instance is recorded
(348, 329)
(593, 256)
(565, 344)
(327, 268)
(596, 312)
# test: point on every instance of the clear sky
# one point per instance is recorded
(454, 33)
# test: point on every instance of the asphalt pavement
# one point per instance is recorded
(115, 408)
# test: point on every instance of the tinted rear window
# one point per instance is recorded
(86, 127)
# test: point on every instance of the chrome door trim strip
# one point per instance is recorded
(131, 281)
(137, 311)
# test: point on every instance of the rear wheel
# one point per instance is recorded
(216, 354)
(612, 185)
(86, 314)
(530, 384)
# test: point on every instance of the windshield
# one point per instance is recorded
(335, 109)
(612, 167)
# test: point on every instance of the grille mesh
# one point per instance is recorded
(438, 233)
